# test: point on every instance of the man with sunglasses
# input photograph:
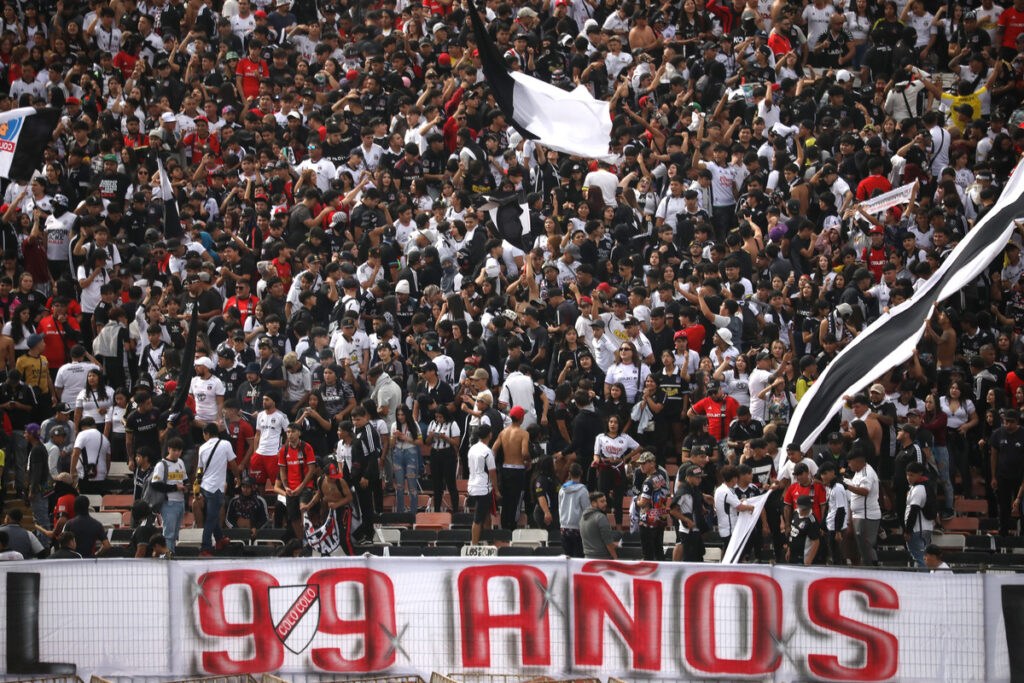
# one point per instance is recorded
(319, 170)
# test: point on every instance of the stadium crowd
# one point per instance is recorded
(368, 332)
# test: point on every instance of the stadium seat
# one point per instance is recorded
(630, 553)
(964, 506)
(713, 555)
(894, 558)
(961, 525)
(406, 551)
(951, 542)
(108, 519)
(118, 470)
(258, 551)
(121, 536)
(190, 537)
(530, 537)
(968, 558)
(406, 519)
(988, 525)
(236, 535)
(95, 500)
(442, 551)
(496, 535)
(433, 520)
(555, 537)
(453, 537)
(117, 502)
(548, 551)
(514, 551)
(116, 553)
(462, 520)
(418, 536)
(186, 551)
(668, 538)
(388, 535)
(983, 543)
(270, 536)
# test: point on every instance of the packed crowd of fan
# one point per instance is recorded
(366, 332)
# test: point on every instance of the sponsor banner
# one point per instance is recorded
(901, 195)
(345, 617)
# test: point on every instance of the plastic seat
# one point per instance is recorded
(433, 520)
(117, 502)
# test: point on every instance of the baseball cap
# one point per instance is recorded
(835, 436)
(253, 368)
(646, 456)
(517, 413)
(334, 470)
(205, 362)
(695, 472)
(32, 428)
(877, 388)
(33, 340)
(804, 502)
(794, 447)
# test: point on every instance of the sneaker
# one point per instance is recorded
(222, 543)
(206, 553)
(946, 516)
(363, 542)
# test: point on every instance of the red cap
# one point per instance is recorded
(476, 53)
(604, 287)
(351, 75)
(586, 300)
(334, 471)
(897, 212)
(681, 334)
(776, 87)
(260, 14)
(517, 413)
(72, 100)
(878, 230)
(644, 100)
(444, 59)
(201, 118)
(170, 386)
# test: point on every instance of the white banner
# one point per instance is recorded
(901, 195)
(746, 522)
(11, 124)
(395, 616)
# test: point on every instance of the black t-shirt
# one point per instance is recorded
(87, 533)
(145, 429)
(802, 531)
(1009, 453)
(335, 397)
(763, 468)
(231, 378)
(742, 433)
(20, 393)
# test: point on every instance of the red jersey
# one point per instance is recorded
(1012, 22)
(868, 186)
(284, 271)
(876, 260)
(59, 338)
(246, 307)
(252, 73)
(194, 146)
(295, 462)
(695, 337)
(816, 491)
(779, 44)
(65, 507)
(240, 433)
(720, 415)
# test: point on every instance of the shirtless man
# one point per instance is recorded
(945, 347)
(862, 411)
(328, 514)
(514, 443)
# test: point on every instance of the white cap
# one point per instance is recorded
(402, 287)
(168, 117)
(724, 334)
(205, 362)
(842, 76)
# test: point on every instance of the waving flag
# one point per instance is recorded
(891, 339)
(571, 122)
(188, 367)
(24, 134)
(510, 214)
(172, 222)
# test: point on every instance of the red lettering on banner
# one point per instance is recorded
(477, 621)
(295, 613)
(594, 599)
(377, 626)
(268, 652)
(765, 615)
(881, 649)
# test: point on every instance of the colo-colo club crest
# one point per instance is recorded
(296, 614)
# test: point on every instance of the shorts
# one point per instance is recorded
(263, 468)
(482, 507)
(292, 504)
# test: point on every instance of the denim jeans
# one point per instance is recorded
(172, 512)
(919, 540)
(941, 454)
(41, 514)
(406, 468)
(211, 527)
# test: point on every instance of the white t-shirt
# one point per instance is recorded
(817, 21)
(71, 379)
(723, 183)
(299, 383)
(92, 403)
(214, 456)
(837, 497)
(206, 391)
(270, 427)
(726, 501)
(918, 496)
(631, 376)
(171, 472)
(95, 448)
(865, 507)
(481, 461)
(786, 471)
(607, 448)
(757, 381)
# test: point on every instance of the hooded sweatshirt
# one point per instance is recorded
(596, 534)
(387, 393)
(573, 501)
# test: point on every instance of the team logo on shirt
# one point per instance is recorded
(9, 134)
(295, 611)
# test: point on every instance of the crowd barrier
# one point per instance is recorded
(377, 617)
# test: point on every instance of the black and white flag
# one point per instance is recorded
(172, 221)
(891, 339)
(510, 214)
(24, 134)
(568, 121)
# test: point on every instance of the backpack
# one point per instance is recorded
(155, 498)
(749, 334)
(931, 503)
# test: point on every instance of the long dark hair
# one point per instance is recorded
(546, 467)
(19, 331)
(410, 423)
